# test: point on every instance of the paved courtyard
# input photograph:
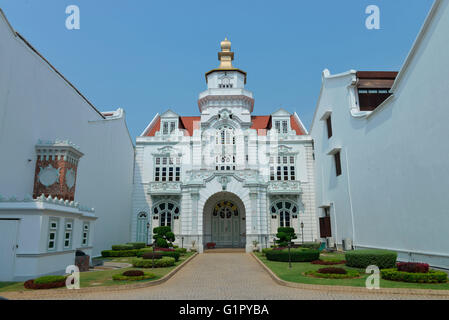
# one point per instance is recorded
(221, 276)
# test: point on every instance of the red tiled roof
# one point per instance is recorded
(295, 126)
(189, 123)
(260, 123)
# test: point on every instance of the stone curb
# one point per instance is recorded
(53, 293)
(430, 292)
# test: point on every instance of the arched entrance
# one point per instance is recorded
(224, 221)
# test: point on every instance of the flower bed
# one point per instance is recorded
(432, 276)
(148, 254)
(158, 263)
(383, 259)
(120, 253)
(297, 255)
(328, 262)
(413, 267)
(333, 273)
(133, 275)
(46, 282)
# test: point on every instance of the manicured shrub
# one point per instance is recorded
(123, 277)
(328, 262)
(285, 235)
(46, 282)
(172, 254)
(163, 236)
(164, 249)
(49, 279)
(159, 263)
(332, 270)
(432, 276)
(349, 274)
(141, 252)
(265, 250)
(152, 255)
(133, 273)
(383, 259)
(137, 245)
(413, 267)
(297, 255)
(119, 253)
(181, 251)
(120, 247)
(310, 245)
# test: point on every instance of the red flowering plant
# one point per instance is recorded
(413, 267)
(210, 245)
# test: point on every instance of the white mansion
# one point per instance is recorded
(372, 173)
(226, 176)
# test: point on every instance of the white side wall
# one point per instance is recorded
(394, 162)
(36, 103)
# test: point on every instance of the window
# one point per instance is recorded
(287, 210)
(52, 234)
(284, 126)
(167, 169)
(68, 234)
(166, 211)
(277, 125)
(225, 149)
(85, 235)
(337, 163)
(329, 127)
(371, 98)
(282, 168)
(168, 127)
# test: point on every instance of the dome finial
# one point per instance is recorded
(225, 56)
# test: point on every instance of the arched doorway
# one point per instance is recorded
(224, 221)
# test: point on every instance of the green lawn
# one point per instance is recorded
(295, 274)
(103, 278)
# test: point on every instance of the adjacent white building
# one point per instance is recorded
(381, 152)
(225, 176)
(65, 168)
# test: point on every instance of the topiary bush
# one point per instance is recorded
(285, 235)
(159, 263)
(163, 236)
(432, 276)
(297, 255)
(383, 259)
(413, 267)
(119, 253)
(181, 251)
(120, 247)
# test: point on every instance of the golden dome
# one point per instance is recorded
(225, 45)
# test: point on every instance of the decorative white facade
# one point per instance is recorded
(225, 176)
(392, 190)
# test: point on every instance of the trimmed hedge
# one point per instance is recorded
(152, 255)
(349, 274)
(182, 251)
(310, 245)
(119, 253)
(432, 276)
(159, 263)
(120, 247)
(413, 267)
(265, 250)
(123, 277)
(173, 254)
(133, 273)
(137, 245)
(383, 259)
(297, 255)
(332, 270)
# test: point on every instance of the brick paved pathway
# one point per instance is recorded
(222, 276)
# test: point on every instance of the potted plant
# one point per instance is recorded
(210, 245)
(255, 245)
(193, 246)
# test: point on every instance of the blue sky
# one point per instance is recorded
(148, 56)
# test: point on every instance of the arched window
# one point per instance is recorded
(286, 210)
(142, 220)
(225, 210)
(166, 211)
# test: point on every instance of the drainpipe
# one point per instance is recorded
(350, 197)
